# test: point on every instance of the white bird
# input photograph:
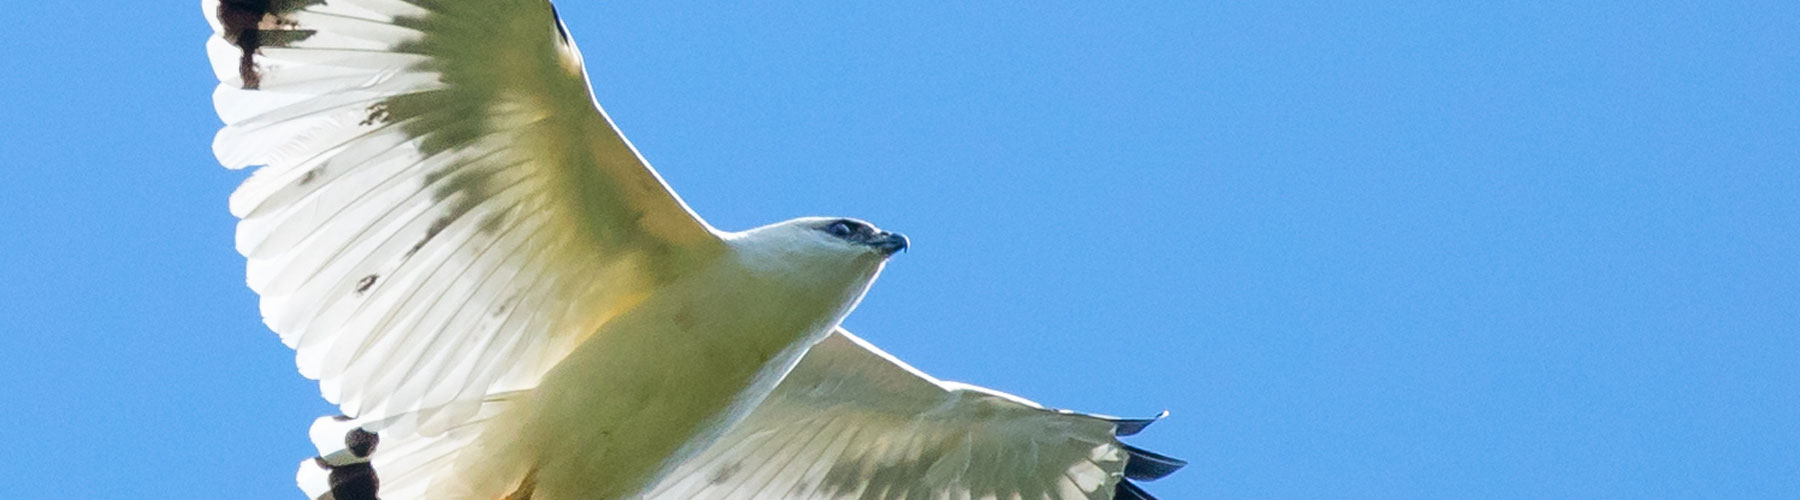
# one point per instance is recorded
(506, 301)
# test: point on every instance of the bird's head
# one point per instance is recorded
(830, 253)
(854, 238)
(824, 241)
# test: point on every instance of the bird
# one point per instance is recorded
(505, 301)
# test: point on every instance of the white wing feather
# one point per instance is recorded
(442, 212)
(850, 421)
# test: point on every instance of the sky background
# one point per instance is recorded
(1358, 249)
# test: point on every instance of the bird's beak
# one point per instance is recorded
(889, 243)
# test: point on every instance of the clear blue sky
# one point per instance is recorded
(1359, 249)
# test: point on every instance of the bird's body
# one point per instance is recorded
(661, 380)
(507, 302)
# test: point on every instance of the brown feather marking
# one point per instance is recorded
(355, 482)
(365, 283)
(252, 24)
(240, 22)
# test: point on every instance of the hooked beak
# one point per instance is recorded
(889, 243)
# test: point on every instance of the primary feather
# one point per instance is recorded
(441, 212)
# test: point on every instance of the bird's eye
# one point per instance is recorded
(840, 229)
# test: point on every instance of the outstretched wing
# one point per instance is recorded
(441, 211)
(850, 421)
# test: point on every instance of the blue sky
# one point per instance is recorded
(1359, 249)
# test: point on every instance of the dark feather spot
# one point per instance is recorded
(492, 223)
(238, 20)
(723, 474)
(253, 24)
(365, 283)
(378, 113)
(360, 442)
(437, 226)
(311, 175)
(355, 482)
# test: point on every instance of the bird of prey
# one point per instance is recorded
(506, 302)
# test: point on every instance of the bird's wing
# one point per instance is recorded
(441, 211)
(850, 421)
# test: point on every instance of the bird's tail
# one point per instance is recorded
(395, 458)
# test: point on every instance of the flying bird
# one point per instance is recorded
(506, 302)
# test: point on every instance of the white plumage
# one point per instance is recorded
(507, 302)
(850, 421)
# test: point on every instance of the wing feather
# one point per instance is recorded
(439, 210)
(852, 422)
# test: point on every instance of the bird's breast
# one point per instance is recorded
(657, 383)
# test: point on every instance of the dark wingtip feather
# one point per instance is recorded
(1140, 464)
(1145, 465)
(1130, 426)
(1128, 491)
